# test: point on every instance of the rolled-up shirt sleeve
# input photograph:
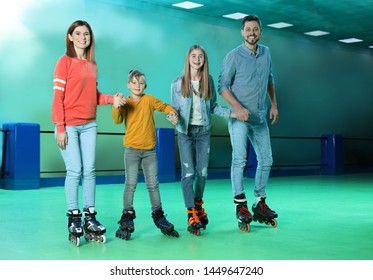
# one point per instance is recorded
(227, 73)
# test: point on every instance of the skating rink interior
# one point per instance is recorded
(320, 218)
(324, 87)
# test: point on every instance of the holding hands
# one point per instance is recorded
(119, 100)
(242, 114)
(173, 118)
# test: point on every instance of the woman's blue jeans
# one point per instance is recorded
(79, 157)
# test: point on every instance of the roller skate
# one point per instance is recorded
(243, 214)
(263, 214)
(194, 223)
(161, 222)
(202, 215)
(126, 224)
(93, 229)
(75, 226)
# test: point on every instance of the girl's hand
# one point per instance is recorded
(173, 118)
(242, 114)
(233, 115)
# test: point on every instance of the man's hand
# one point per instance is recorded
(242, 114)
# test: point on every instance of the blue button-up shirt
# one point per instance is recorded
(247, 75)
(183, 106)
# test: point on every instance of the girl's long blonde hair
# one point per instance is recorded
(204, 82)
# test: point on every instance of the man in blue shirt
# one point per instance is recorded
(245, 82)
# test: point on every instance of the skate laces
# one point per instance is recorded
(200, 210)
(193, 219)
(264, 207)
(244, 211)
(92, 224)
(202, 213)
(162, 221)
(76, 223)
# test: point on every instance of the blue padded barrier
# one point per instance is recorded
(332, 157)
(22, 156)
(332, 154)
(165, 149)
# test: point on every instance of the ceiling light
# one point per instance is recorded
(235, 15)
(317, 33)
(280, 25)
(187, 5)
(350, 40)
(371, 47)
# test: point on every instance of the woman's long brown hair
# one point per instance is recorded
(90, 51)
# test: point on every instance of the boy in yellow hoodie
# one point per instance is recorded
(139, 150)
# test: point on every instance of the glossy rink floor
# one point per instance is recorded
(320, 218)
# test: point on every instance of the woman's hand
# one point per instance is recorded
(61, 140)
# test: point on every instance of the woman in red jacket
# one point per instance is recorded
(74, 113)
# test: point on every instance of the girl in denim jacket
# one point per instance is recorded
(193, 96)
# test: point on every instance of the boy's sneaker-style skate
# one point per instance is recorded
(194, 224)
(202, 215)
(161, 222)
(243, 214)
(263, 213)
(126, 224)
(93, 229)
(75, 226)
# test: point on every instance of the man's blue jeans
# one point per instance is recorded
(260, 140)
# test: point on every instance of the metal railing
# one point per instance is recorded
(5, 133)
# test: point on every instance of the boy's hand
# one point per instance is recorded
(119, 100)
(173, 118)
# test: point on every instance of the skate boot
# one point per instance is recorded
(75, 226)
(161, 222)
(126, 224)
(263, 213)
(93, 229)
(202, 215)
(243, 214)
(194, 224)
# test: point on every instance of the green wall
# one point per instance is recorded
(322, 88)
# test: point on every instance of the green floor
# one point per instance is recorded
(320, 218)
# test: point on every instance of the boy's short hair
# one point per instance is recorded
(136, 74)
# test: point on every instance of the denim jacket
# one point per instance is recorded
(183, 106)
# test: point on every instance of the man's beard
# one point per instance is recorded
(252, 42)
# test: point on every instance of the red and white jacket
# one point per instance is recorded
(76, 95)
